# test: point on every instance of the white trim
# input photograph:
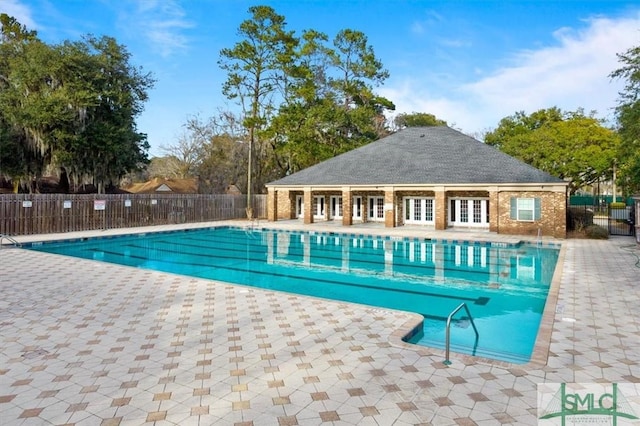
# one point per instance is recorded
(521, 208)
(357, 208)
(319, 207)
(375, 209)
(335, 207)
(487, 186)
(419, 210)
(299, 206)
(470, 212)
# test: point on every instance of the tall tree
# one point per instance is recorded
(304, 99)
(358, 72)
(27, 84)
(222, 152)
(111, 92)
(333, 108)
(628, 115)
(71, 105)
(256, 75)
(213, 150)
(520, 123)
(185, 155)
(567, 145)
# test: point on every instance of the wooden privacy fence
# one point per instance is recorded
(25, 214)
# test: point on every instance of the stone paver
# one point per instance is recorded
(90, 343)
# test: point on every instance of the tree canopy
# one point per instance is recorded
(303, 99)
(568, 145)
(70, 105)
(417, 119)
(628, 115)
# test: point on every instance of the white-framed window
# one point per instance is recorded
(376, 208)
(357, 208)
(525, 209)
(318, 207)
(419, 210)
(299, 206)
(335, 206)
(472, 212)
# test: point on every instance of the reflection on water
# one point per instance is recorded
(485, 264)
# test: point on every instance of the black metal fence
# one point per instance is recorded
(617, 221)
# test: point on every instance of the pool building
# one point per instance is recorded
(432, 176)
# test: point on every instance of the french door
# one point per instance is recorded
(335, 207)
(319, 207)
(376, 209)
(469, 212)
(419, 210)
(357, 208)
(299, 206)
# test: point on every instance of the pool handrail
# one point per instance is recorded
(448, 330)
(7, 237)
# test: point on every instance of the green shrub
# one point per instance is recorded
(618, 205)
(596, 232)
(579, 218)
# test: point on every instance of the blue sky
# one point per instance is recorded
(470, 62)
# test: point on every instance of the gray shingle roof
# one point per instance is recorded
(420, 155)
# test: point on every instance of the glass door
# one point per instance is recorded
(357, 208)
(469, 212)
(335, 206)
(418, 210)
(299, 206)
(319, 207)
(376, 209)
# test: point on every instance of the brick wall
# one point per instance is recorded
(553, 214)
(286, 202)
(552, 208)
(467, 194)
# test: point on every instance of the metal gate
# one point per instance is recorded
(621, 221)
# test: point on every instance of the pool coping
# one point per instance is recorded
(398, 337)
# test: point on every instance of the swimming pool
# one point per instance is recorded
(504, 286)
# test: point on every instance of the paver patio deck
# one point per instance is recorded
(89, 343)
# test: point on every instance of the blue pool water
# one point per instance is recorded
(504, 286)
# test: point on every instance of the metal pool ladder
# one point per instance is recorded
(6, 237)
(448, 330)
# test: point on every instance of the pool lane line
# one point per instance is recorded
(481, 300)
(485, 271)
(214, 251)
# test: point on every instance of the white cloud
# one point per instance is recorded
(161, 23)
(572, 74)
(19, 11)
(454, 43)
(408, 98)
(417, 28)
(432, 18)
